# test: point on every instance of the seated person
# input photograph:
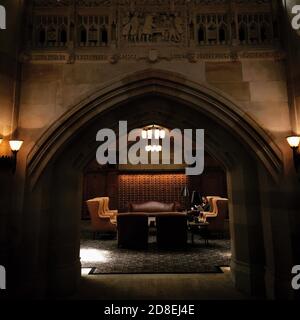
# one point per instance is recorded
(205, 206)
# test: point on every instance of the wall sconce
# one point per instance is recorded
(294, 142)
(10, 163)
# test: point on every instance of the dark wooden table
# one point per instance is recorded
(200, 228)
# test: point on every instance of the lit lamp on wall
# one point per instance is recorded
(294, 142)
(10, 163)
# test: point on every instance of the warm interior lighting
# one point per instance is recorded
(1, 139)
(153, 148)
(144, 134)
(162, 134)
(153, 133)
(156, 133)
(15, 145)
(293, 141)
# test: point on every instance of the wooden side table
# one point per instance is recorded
(200, 228)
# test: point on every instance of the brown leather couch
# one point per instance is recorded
(132, 230)
(152, 206)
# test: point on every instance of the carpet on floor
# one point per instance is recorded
(104, 257)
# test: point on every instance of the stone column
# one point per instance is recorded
(291, 41)
(247, 263)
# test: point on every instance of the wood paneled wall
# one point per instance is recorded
(123, 187)
(164, 187)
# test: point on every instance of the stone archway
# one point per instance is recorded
(54, 172)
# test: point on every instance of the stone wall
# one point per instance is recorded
(253, 72)
(258, 86)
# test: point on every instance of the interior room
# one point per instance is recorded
(170, 190)
(82, 216)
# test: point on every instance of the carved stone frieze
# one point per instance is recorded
(151, 56)
(113, 30)
(156, 26)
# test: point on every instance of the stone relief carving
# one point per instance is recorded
(120, 27)
(152, 27)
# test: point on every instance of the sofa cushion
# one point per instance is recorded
(152, 206)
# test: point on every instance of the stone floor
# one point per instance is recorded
(214, 286)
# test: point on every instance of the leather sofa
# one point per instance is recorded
(152, 206)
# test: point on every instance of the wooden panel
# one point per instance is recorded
(147, 187)
(211, 182)
(123, 188)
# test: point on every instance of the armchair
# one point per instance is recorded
(213, 207)
(107, 211)
(104, 209)
(100, 223)
(219, 216)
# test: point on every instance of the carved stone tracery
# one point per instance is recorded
(143, 24)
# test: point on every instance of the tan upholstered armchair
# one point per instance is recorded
(213, 207)
(100, 223)
(107, 211)
(104, 208)
(219, 215)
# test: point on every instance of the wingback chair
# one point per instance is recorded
(103, 209)
(107, 211)
(100, 223)
(219, 216)
(213, 208)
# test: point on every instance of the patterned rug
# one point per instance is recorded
(104, 257)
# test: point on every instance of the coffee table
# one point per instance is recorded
(200, 228)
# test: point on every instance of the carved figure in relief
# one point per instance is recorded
(166, 28)
(178, 26)
(173, 36)
(135, 27)
(126, 26)
(148, 27)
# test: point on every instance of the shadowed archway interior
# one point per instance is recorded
(54, 188)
